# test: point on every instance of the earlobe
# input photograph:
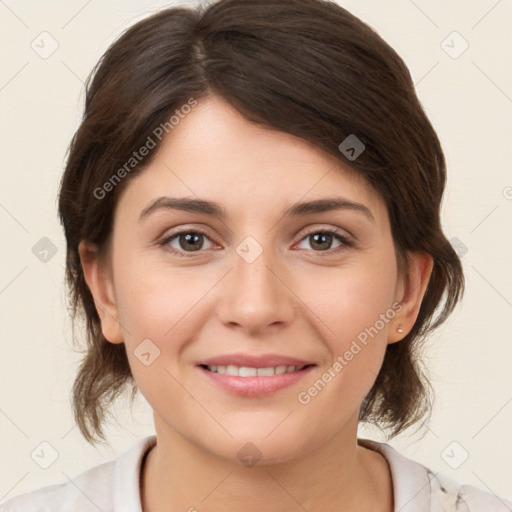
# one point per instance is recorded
(415, 286)
(99, 281)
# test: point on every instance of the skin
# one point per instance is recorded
(297, 299)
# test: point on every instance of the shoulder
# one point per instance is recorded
(110, 487)
(420, 489)
(86, 492)
(473, 499)
(459, 497)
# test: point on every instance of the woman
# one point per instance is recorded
(251, 207)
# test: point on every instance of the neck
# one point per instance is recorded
(180, 475)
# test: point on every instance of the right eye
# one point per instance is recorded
(179, 243)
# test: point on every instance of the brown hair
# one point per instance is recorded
(306, 67)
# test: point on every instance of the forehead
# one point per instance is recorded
(214, 153)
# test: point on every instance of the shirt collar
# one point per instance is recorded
(126, 477)
(411, 483)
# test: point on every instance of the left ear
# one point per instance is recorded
(411, 291)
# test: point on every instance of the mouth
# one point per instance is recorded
(249, 371)
(253, 381)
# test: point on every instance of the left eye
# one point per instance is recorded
(324, 238)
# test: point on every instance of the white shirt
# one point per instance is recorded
(114, 487)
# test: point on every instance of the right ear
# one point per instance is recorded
(99, 280)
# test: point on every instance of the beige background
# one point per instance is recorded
(468, 99)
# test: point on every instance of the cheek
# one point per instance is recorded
(154, 309)
(153, 299)
(167, 307)
(352, 298)
(355, 306)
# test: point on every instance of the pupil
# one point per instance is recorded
(323, 237)
(190, 239)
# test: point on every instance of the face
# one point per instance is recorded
(193, 295)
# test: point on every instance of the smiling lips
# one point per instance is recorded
(252, 376)
(248, 371)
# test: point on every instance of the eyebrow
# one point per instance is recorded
(214, 209)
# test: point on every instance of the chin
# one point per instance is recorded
(252, 444)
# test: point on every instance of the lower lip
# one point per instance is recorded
(255, 386)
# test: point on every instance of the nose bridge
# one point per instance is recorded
(255, 295)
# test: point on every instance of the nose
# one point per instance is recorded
(256, 296)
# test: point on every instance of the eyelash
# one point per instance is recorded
(345, 241)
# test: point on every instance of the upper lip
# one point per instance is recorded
(253, 361)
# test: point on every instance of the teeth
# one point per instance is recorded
(247, 371)
(265, 372)
(231, 370)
